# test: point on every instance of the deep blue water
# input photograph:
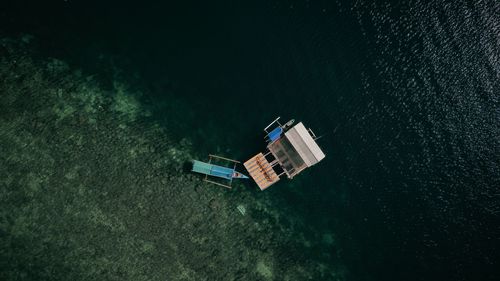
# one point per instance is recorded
(405, 94)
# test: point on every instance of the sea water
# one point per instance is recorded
(405, 97)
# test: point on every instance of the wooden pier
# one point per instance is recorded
(261, 171)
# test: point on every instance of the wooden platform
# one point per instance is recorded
(261, 171)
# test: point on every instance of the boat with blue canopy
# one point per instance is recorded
(209, 169)
(291, 148)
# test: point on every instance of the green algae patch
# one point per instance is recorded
(63, 111)
(264, 270)
(124, 103)
(328, 239)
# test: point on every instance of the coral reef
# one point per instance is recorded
(93, 189)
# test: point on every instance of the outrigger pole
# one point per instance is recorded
(209, 169)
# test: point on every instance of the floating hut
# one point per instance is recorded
(290, 150)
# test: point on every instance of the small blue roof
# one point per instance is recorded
(212, 170)
(275, 134)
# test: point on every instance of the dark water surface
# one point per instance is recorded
(405, 94)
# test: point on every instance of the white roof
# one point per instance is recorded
(304, 144)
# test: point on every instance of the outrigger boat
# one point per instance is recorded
(209, 169)
(289, 151)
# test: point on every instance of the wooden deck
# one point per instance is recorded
(261, 171)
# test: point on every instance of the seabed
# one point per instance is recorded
(91, 188)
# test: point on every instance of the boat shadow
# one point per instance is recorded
(187, 166)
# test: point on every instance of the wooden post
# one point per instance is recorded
(228, 186)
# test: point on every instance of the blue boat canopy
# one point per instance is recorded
(212, 170)
(275, 134)
(209, 169)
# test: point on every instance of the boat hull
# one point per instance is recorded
(216, 171)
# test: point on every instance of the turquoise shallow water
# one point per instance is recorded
(406, 96)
